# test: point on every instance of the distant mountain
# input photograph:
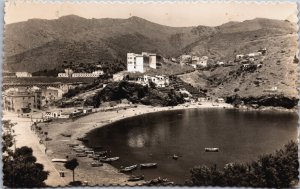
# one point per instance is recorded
(39, 44)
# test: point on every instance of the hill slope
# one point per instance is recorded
(47, 43)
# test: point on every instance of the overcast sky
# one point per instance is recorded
(171, 14)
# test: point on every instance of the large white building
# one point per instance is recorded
(69, 73)
(152, 61)
(23, 74)
(135, 63)
(93, 74)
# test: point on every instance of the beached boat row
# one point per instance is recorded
(142, 166)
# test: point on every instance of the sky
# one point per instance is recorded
(170, 14)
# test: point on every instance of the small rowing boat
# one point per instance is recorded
(136, 178)
(81, 155)
(56, 160)
(129, 169)
(211, 149)
(96, 164)
(148, 165)
(109, 160)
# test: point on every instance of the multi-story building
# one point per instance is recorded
(23, 74)
(135, 63)
(152, 61)
(138, 62)
(22, 100)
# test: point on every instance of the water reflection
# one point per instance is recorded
(241, 136)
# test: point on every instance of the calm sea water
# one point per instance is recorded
(240, 136)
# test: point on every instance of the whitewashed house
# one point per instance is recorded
(160, 81)
(254, 54)
(23, 74)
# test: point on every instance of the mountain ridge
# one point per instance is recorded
(77, 39)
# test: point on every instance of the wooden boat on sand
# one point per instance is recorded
(136, 178)
(109, 160)
(129, 168)
(148, 165)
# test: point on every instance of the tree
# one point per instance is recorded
(278, 170)
(23, 171)
(19, 167)
(71, 165)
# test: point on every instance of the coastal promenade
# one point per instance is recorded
(26, 137)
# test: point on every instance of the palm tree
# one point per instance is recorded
(71, 165)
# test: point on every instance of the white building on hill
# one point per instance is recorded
(138, 62)
(69, 73)
(158, 80)
(23, 74)
(152, 61)
(135, 63)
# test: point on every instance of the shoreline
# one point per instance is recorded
(80, 127)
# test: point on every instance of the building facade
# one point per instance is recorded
(159, 80)
(70, 73)
(135, 63)
(152, 61)
(138, 62)
(23, 74)
(51, 94)
(21, 100)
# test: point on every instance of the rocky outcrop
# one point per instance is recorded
(267, 100)
(136, 93)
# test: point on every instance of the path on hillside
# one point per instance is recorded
(26, 137)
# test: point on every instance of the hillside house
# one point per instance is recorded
(254, 54)
(195, 59)
(194, 65)
(23, 74)
(220, 100)
(263, 51)
(51, 94)
(203, 61)
(239, 56)
(246, 65)
(173, 59)
(185, 59)
(220, 63)
(160, 81)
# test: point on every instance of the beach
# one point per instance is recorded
(58, 147)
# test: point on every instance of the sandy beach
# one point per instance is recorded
(58, 147)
